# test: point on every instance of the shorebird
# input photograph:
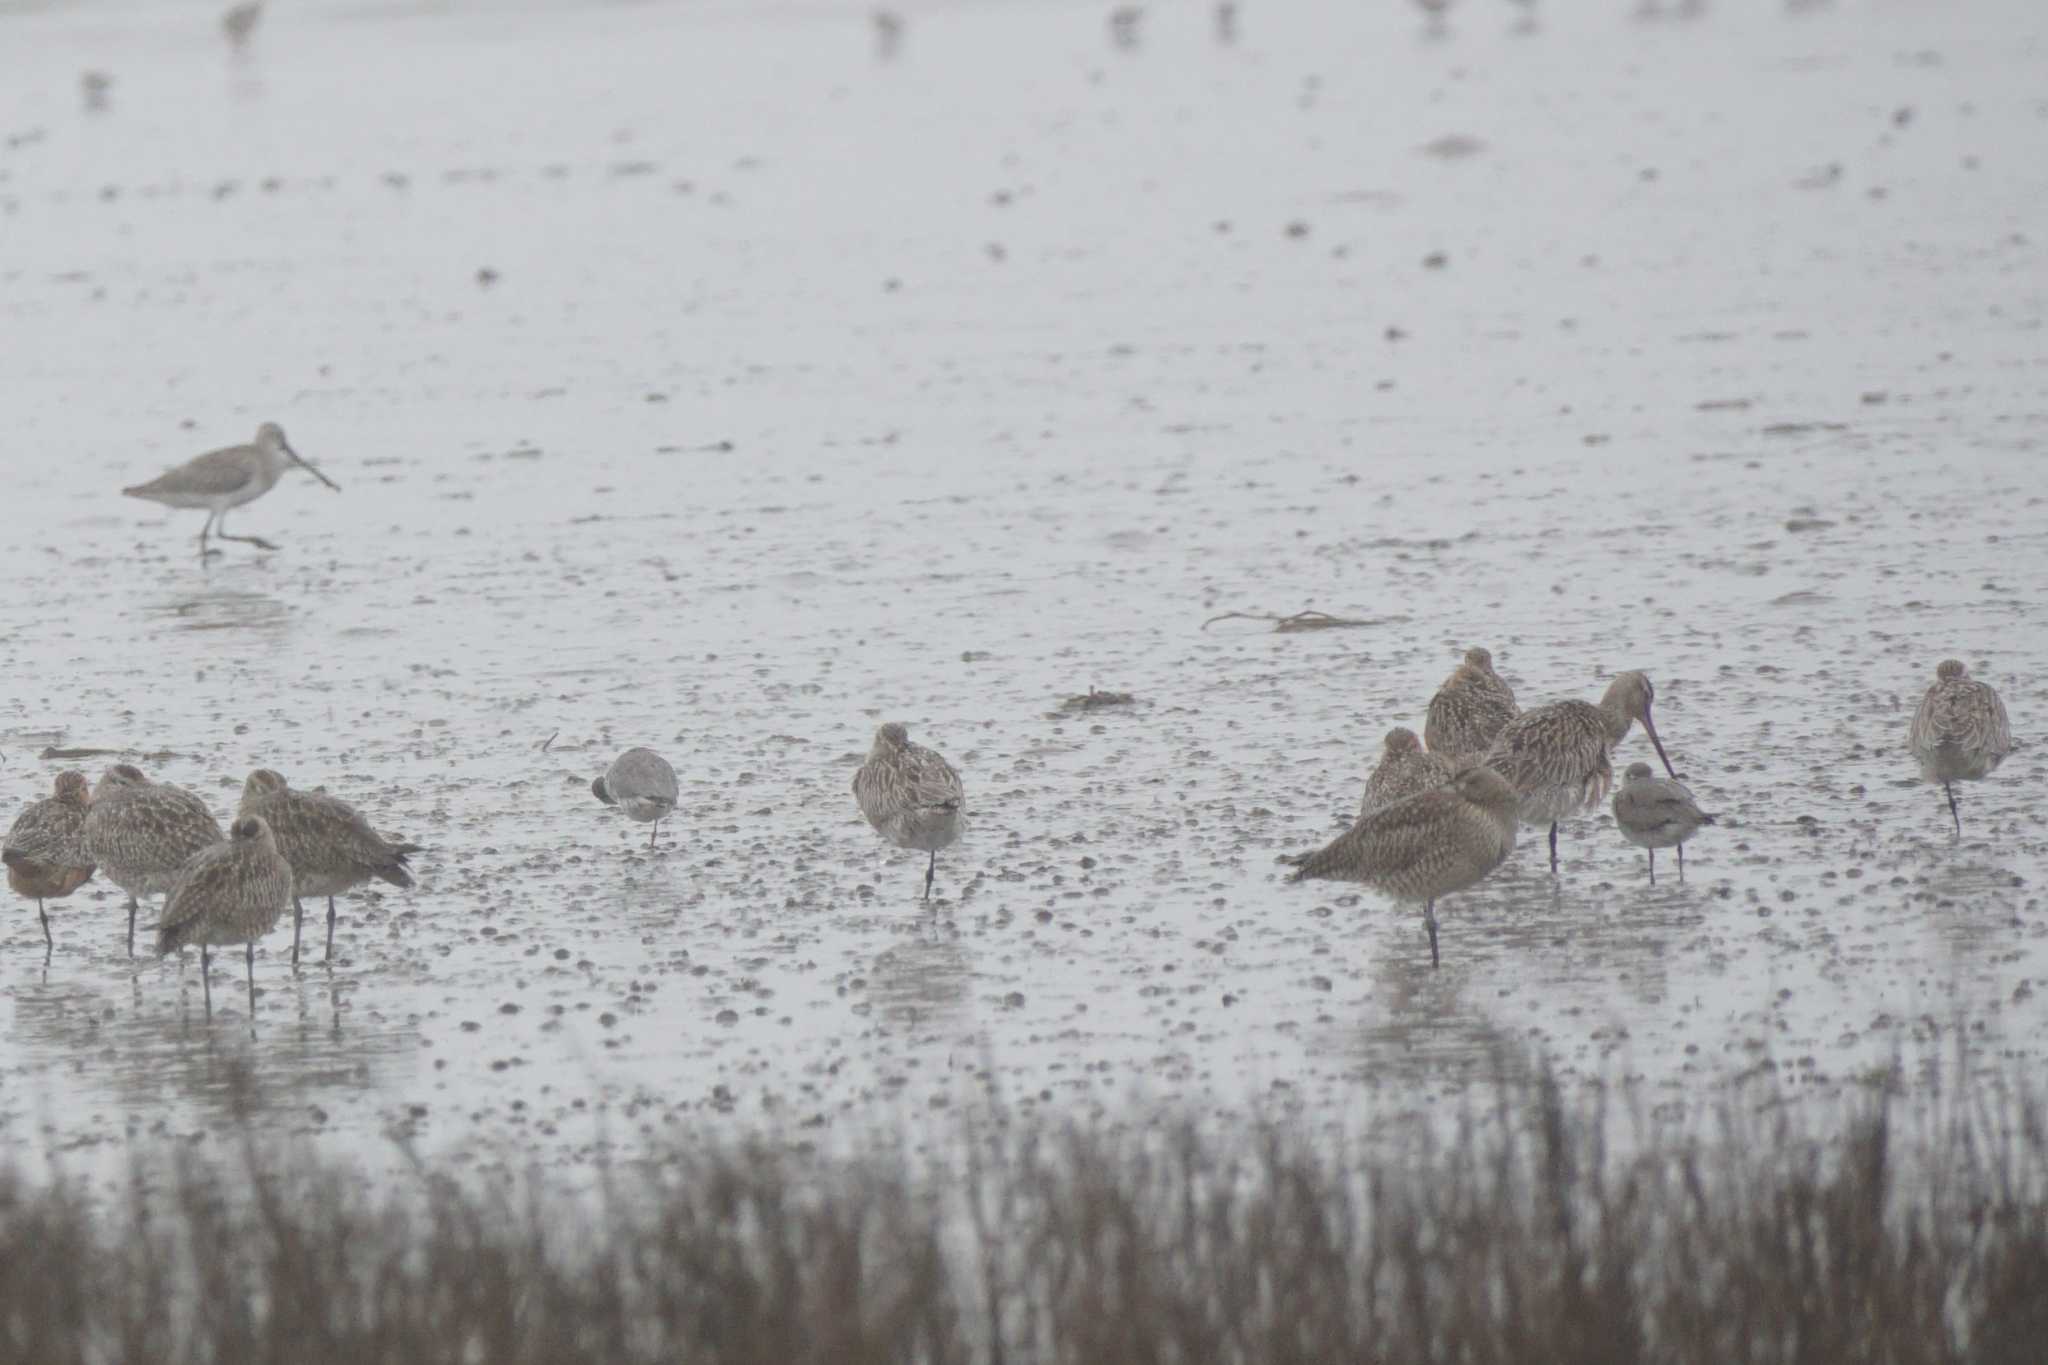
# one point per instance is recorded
(888, 26)
(221, 479)
(1470, 709)
(640, 783)
(141, 832)
(911, 796)
(1656, 812)
(331, 848)
(45, 851)
(1555, 757)
(232, 892)
(1960, 733)
(1427, 847)
(240, 22)
(1403, 771)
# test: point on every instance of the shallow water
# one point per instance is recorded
(813, 390)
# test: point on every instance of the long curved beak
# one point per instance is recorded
(299, 460)
(1651, 730)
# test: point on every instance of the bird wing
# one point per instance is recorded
(206, 876)
(214, 474)
(44, 834)
(1384, 842)
(930, 781)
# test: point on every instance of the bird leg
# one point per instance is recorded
(1653, 865)
(1429, 919)
(205, 553)
(930, 871)
(651, 832)
(206, 978)
(249, 956)
(1553, 847)
(49, 944)
(220, 533)
(330, 931)
(1953, 812)
(1681, 862)
(131, 924)
(298, 918)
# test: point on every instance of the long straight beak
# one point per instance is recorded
(301, 463)
(1651, 730)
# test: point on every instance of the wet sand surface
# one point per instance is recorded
(808, 390)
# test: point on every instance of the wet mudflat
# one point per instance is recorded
(804, 391)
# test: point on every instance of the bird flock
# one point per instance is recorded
(1439, 813)
(1437, 821)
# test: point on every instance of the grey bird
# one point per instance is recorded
(1404, 770)
(1656, 812)
(642, 784)
(231, 892)
(331, 848)
(221, 479)
(1556, 756)
(911, 796)
(1429, 846)
(140, 833)
(1470, 710)
(45, 850)
(1960, 733)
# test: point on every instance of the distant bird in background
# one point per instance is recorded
(1125, 25)
(1960, 733)
(94, 85)
(888, 33)
(1433, 12)
(1656, 812)
(1226, 22)
(640, 783)
(221, 479)
(911, 796)
(45, 850)
(239, 23)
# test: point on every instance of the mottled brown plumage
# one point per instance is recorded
(230, 892)
(45, 850)
(911, 796)
(1404, 770)
(141, 832)
(1655, 812)
(1556, 756)
(331, 848)
(1428, 846)
(1959, 733)
(1470, 709)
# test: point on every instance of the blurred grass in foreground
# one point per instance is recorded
(1521, 1239)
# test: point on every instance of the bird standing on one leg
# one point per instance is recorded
(45, 850)
(1656, 812)
(331, 848)
(1960, 733)
(1556, 756)
(1426, 847)
(232, 892)
(911, 796)
(642, 784)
